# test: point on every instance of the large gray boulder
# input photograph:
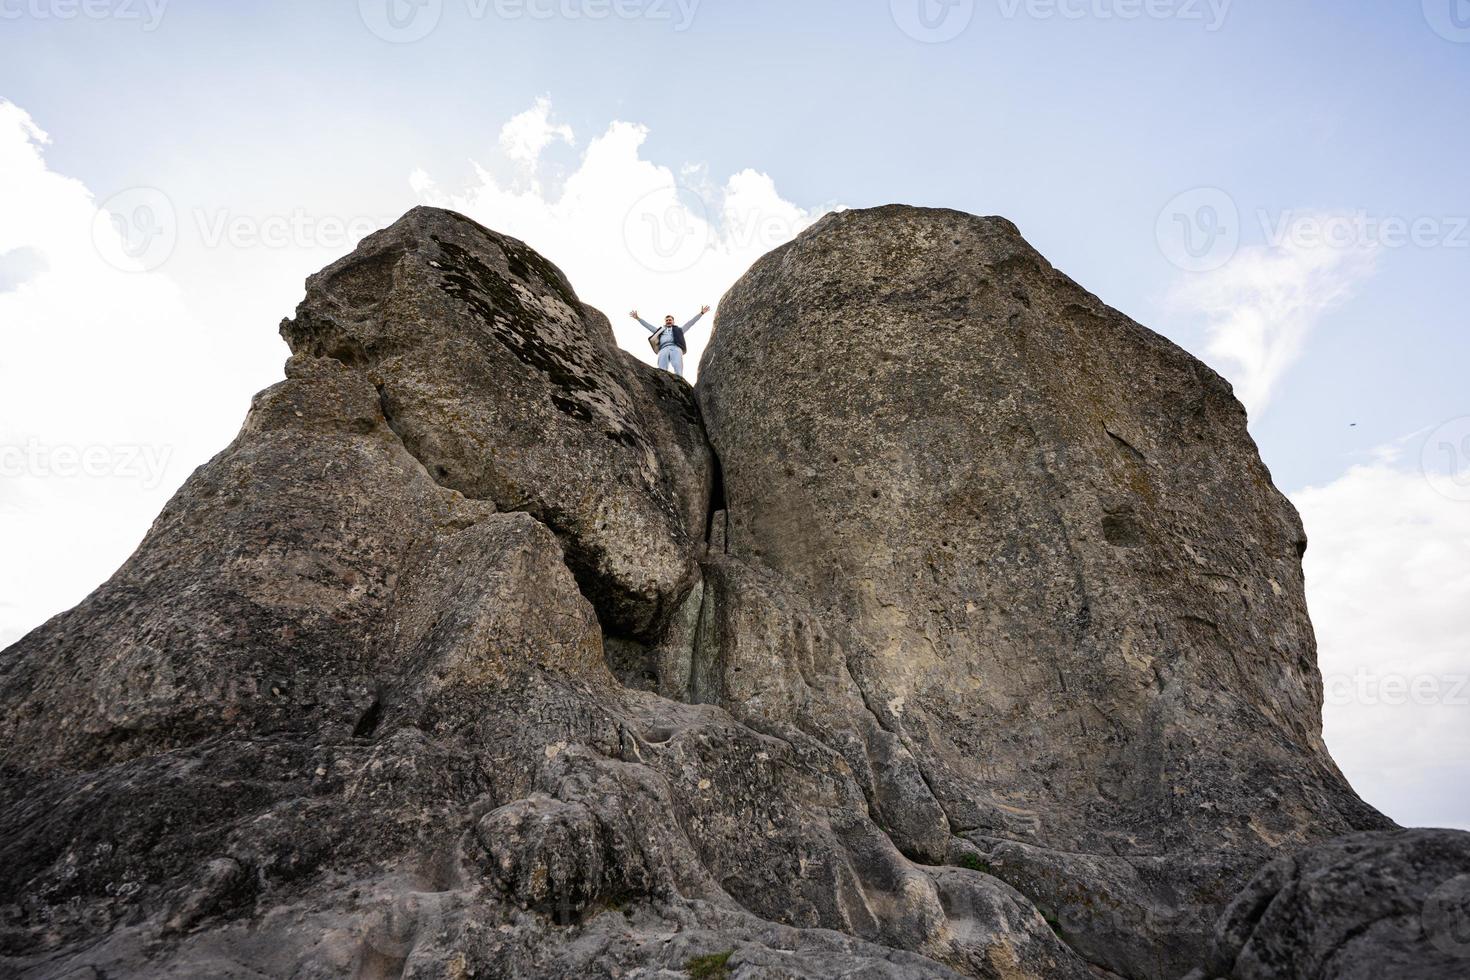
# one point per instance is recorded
(1044, 554)
(1362, 907)
(509, 389)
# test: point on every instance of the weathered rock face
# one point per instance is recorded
(343, 714)
(1042, 543)
(1040, 532)
(1362, 907)
(443, 668)
(508, 389)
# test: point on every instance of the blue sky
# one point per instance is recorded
(1080, 130)
(1087, 122)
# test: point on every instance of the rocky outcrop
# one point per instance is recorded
(508, 389)
(1362, 907)
(1043, 548)
(984, 659)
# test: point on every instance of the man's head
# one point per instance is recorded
(669, 320)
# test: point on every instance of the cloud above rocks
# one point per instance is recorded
(628, 232)
(99, 413)
(1388, 585)
(116, 382)
(1261, 307)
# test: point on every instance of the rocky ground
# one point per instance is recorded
(952, 628)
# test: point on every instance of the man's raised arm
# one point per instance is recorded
(691, 323)
(647, 326)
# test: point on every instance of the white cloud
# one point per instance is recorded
(1388, 583)
(628, 233)
(98, 419)
(1261, 306)
(523, 139)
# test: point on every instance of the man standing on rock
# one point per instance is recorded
(668, 340)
